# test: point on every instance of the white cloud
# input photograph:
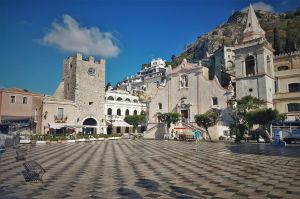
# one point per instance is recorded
(69, 36)
(260, 6)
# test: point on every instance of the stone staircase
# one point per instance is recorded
(155, 131)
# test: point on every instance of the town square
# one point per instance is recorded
(149, 99)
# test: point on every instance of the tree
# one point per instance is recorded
(264, 117)
(240, 121)
(206, 120)
(169, 118)
(277, 42)
(135, 120)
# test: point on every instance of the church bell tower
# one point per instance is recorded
(254, 62)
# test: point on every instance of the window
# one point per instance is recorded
(135, 101)
(90, 103)
(215, 101)
(159, 106)
(127, 100)
(127, 130)
(142, 112)
(269, 65)
(119, 112)
(25, 100)
(12, 99)
(280, 68)
(119, 99)
(293, 107)
(118, 129)
(184, 82)
(109, 111)
(110, 98)
(135, 112)
(127, 112)
(294, 87)
(250, 66)
(35, 114)
(60, 113)
(228, 50)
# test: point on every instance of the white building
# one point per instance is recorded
(119, 104)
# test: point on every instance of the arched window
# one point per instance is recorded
(119, 112)
(127, 112)
(280, 68)
(184, 81)
(119, 99)
(135, 112)
(135, 101)
(118, 129)
(269, 65)
(142, 112)
(293, 107)
(110, 98)
(127, 100)
(109, 111)
(250, 66)
(159, 106)
(294, 87)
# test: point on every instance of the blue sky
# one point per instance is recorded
(36, 35)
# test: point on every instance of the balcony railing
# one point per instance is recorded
(60, 119)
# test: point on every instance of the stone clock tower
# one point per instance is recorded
(254, 63)
(84, 82)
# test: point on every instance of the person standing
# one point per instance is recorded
(197, 136)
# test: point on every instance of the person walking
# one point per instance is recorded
(197, 136)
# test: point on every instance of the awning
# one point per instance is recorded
(182, 128)
(120, 124)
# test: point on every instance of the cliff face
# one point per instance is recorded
(286, 27)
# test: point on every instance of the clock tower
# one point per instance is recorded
(84, 82)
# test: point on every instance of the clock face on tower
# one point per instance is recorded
(91, 71)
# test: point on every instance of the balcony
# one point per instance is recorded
(283, 96)
(60, 119)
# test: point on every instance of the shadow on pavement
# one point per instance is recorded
(150, 185)
(129, 193)
(266, 149)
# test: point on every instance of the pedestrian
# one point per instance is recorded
(197, 136)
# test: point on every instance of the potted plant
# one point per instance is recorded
(33, 139)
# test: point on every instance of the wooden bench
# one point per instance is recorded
(21, 153)
(33, 171)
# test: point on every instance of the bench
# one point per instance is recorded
(186, 137)
(33, 171)
(21, 153)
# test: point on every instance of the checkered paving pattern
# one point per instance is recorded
(155, 169)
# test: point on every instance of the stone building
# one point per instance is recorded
(118, 105)
(187, 91)
(254, 71)
(81, 93)
(287, 85)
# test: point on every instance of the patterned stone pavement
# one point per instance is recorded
(155, 169)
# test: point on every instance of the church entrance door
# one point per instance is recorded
(184, 116)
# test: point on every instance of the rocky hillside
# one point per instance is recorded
(285, 27)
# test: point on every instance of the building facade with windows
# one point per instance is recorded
(189, 92)
(119, 104)
(287, 84)
(19, 107)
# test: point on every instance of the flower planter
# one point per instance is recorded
(63, 141)
(81, 140)
(25, 141)
(53, 142)
(100, 139)
(33, 141)
(58, 141)
(41, 142)
(70, 141)
(93, 139)
(48, 141)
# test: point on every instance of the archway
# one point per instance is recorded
(89, 122)
(250, 66)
